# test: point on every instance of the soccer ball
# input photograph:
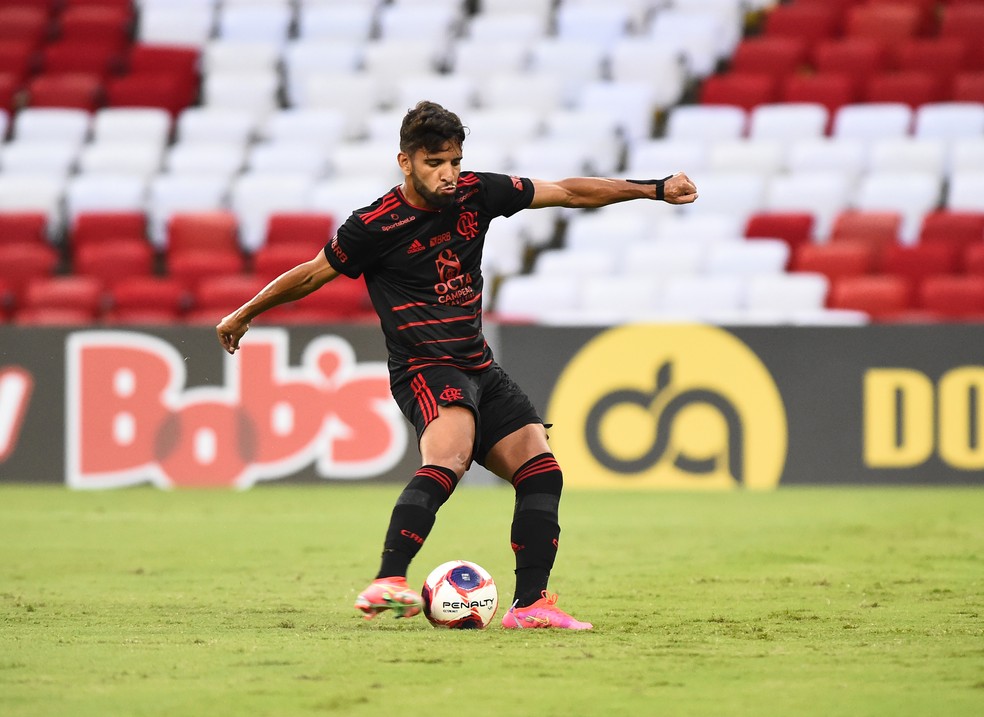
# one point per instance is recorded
(460, 595)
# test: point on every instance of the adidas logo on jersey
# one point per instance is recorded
(415, 247)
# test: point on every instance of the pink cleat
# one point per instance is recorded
(389, 594)
(543, 613)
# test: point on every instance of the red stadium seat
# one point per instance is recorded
(81, 293)
(29, 24)
(771, 55)
(166, 90)
(810, 22)
(918, 261)
(968, 87)
(913, 88)
(272, 260)
(146, 299)
(880, 229)
(76, 91)
(960, 229)
(972, 259)
(966, 21)
(944, 57)
(926, 12)
(881, 296)
(850, 54)
(191, 266)
(194, 231)
(17, 227)
(97, 227)
(112, 260)
(343, 299)
(745, 90)
(835, 260)
(18, 58)
(830, 89)
(99, 23)
(886, 22)
(219, 295)
(52, 316)
(310, 229)
(24, 261)
(955, 297)
(794, 228)
(81, 56)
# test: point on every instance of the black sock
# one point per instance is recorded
(535, 526)
(413, 517)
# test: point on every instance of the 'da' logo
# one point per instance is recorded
(674, 406)
(130, 418)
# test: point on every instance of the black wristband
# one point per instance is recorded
(658, 182)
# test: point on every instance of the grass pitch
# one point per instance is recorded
(798, 602)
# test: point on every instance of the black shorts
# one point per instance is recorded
(499, 404)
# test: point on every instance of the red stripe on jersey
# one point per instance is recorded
(425, 399)
(409, 306)
(436, 321)
(390, 201)
(544, 465)
(479, 367)
(433, 358)
(447, 341)
(466, 179)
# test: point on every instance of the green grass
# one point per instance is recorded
(797, 602)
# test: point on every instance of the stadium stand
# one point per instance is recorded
(844, 136)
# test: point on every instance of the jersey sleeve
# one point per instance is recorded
(506, 195)
(353, 249)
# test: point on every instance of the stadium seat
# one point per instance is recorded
(776, 55)
(856, 55)
(766, 156)
(949, 120)
(220, 295)
(193, 265)
(912, 87)
(204, 230)
(883, 297)
(527, 298)
(170, 193)
(848, 156)
(701, 36)
(343, 299)
(22, 262)
(146, 299)
(576, 61)
(56, 158)
(747, 258)
(834, 260)
(879, 229)
(870, 121)
(17, 227)
(972, 259)
(122, 124)
(966, 191)
(112, 260)
(703, 297)
(153, 90)
(907, 154)
(952, 296)
(634, 103)
(823, 193)
(704, 227)
(74, 91)
(912, 194)
(960, 229)
(25, 23)
(182, 25)
(18, 59)
(255, 92)
(52, 123)
(133, 157)
(308, 229)
(916, 262)
(942, 57)
(665, 156)
(198, 157)
(744, 90)
(739, 194)
(213, 124)
(602, 23)
(317, 22)
(254, 196)
(81, 56)
(104, 192)
(34, 193)
(272, 260)
(616, 299)
(96, 227)
(706, 122)
(81, 293)
(660, 259)
(794, 228)
(103, 22)
(787, 294)
(641, 60)
(581, 262)
(965, 21)
(968, 87)
(811, 22)
(833, 90)
(888, 23)
(788, 121)
(60, 316)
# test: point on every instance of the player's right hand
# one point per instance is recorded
(230, 331)
(678, 189)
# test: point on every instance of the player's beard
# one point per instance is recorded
(436, 200)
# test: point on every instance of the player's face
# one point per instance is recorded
(433, 176)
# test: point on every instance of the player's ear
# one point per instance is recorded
(404, 160)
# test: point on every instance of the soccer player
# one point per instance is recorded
(419, 247)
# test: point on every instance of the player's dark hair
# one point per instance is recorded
(430, 127)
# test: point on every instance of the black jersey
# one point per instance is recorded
(423, 268)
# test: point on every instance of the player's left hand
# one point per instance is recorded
(678, 189)
(230, 331)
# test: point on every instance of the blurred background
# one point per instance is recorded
(163, 159)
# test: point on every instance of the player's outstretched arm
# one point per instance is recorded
(591, 192)
(292, 285)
